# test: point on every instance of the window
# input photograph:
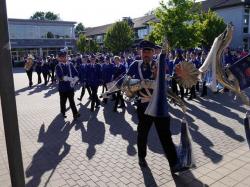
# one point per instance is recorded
(246, 10)
(31, 31)
(245, 43)
(99, 39)
(245, 30)
(246, 19)
(142, 33)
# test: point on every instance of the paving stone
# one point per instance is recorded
(100, 148)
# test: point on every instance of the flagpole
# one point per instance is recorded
(8, 103)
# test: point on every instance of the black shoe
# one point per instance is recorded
(97, 105)
(79, 99)
(121, 106)
(105, 101)
(178, 168)
(190, 98)
(142, 162)
(203, 95)
(63, 114)
(77, 115)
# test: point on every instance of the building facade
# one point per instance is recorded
(141, 27)
(237, 12)
(39, 37)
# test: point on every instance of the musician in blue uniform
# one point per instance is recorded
(93, 74)
(68, 76)
(197, 64)
(157, 52)
(107, 73)
(146, 69)
(83, 78)
(119, 71)
(178, 58)
(78, 61)
(28, 66)
(52, 63)
(45, 70)
(204, 86)
(38, 68)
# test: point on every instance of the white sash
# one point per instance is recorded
(142, 78)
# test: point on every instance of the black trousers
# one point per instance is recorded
(163, 130)
(204, 89)
(84, 87)
(46, 78)
(118, 98)
(192, 92)
(175, 88)
(94, 97)
(63, 99)
(104, 87)
(29, 74)
(39, 77)
(53, 74)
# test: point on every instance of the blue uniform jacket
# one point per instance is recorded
(118, 73)
(196, 62)
(38, 66)
(107, 72)
(134, 73)
(146, 73)
(64, 86)
(93, 74)
(45, 68)
(82, 73)
(170, 67)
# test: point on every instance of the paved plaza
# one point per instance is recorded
(99, 149)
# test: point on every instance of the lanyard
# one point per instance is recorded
(70, 73)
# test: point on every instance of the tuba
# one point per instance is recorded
(29, 63)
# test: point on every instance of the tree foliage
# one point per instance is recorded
(39, 15)
(210, 25)
(50, 35)
(78, 29)
(119, 37)
(81, 43)
(176, 18)
(92, 46)
(185, 25)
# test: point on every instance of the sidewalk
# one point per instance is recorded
(100, 148)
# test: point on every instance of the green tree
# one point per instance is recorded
(176, 21)
(50, 35)
(119, 37)
(51, 16)
(39, 15)
(210, 25)
(92, 46)
(81, 43)
(79, 28)
(155, 35)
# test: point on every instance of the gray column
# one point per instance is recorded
(8, 104)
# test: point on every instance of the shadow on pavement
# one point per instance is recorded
(119, 125)
(213, 122)
(187, 179)
(94, 132)
(18, 70)
(148, 177)
(52, 152)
